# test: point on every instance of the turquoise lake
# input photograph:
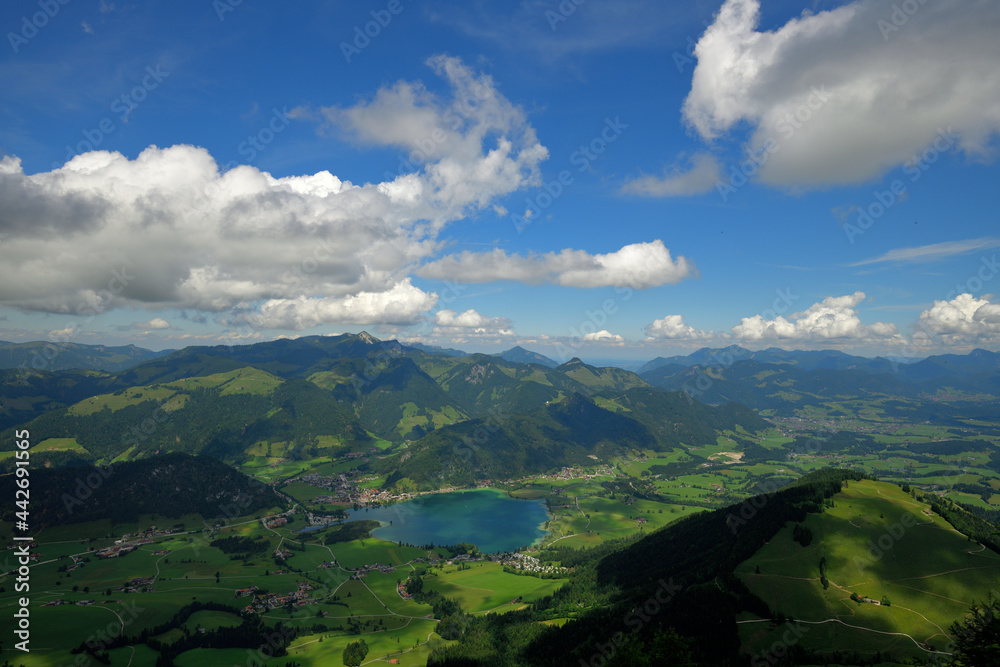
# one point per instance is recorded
(487, 518)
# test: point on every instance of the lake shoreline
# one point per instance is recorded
(495, 522)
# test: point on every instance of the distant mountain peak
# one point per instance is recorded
(436, 349)
(366, 337)
(520, 355)
(575, 362)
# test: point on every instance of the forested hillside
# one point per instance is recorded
(172, 486)
(461, 419)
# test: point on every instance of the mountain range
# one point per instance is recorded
(786, 381)
(326, 396)
(933, 366)
(409, 418)
(330, 395)
(58, 356)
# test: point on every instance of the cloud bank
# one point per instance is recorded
(169, 230)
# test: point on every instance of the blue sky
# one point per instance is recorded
(605, 179)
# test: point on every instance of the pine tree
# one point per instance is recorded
(977, 638)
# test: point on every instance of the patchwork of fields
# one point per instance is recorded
(875, 541)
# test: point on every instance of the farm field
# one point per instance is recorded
(410, 644)
(929, 574)
(484, 587)
(357, 553)
(177, 569)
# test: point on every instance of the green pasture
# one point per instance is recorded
(59, 445)
(304, 493)
(877, 541)
(485, 587)
(410, 644)
(384, 587)
(123, 398)
(354, 554)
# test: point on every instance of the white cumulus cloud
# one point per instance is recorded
(842, 96)
(673, 327)
(639, 266)
(167, 229)
(604, 337)
(832, 318)
(402, 304)
(470, 319)
(964, 315)
(445, 138)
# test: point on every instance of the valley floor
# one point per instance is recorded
(877, 542)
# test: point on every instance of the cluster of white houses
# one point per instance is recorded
(122, 547)
(520, 561)
(262, 602)
(343, 490)
(363, 571)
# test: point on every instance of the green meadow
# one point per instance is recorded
(357, 553)
(878, 542)
(484, 587)
(875, 541)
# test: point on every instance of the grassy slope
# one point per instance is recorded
(929, 572)
(245, 380)
(485, 587)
